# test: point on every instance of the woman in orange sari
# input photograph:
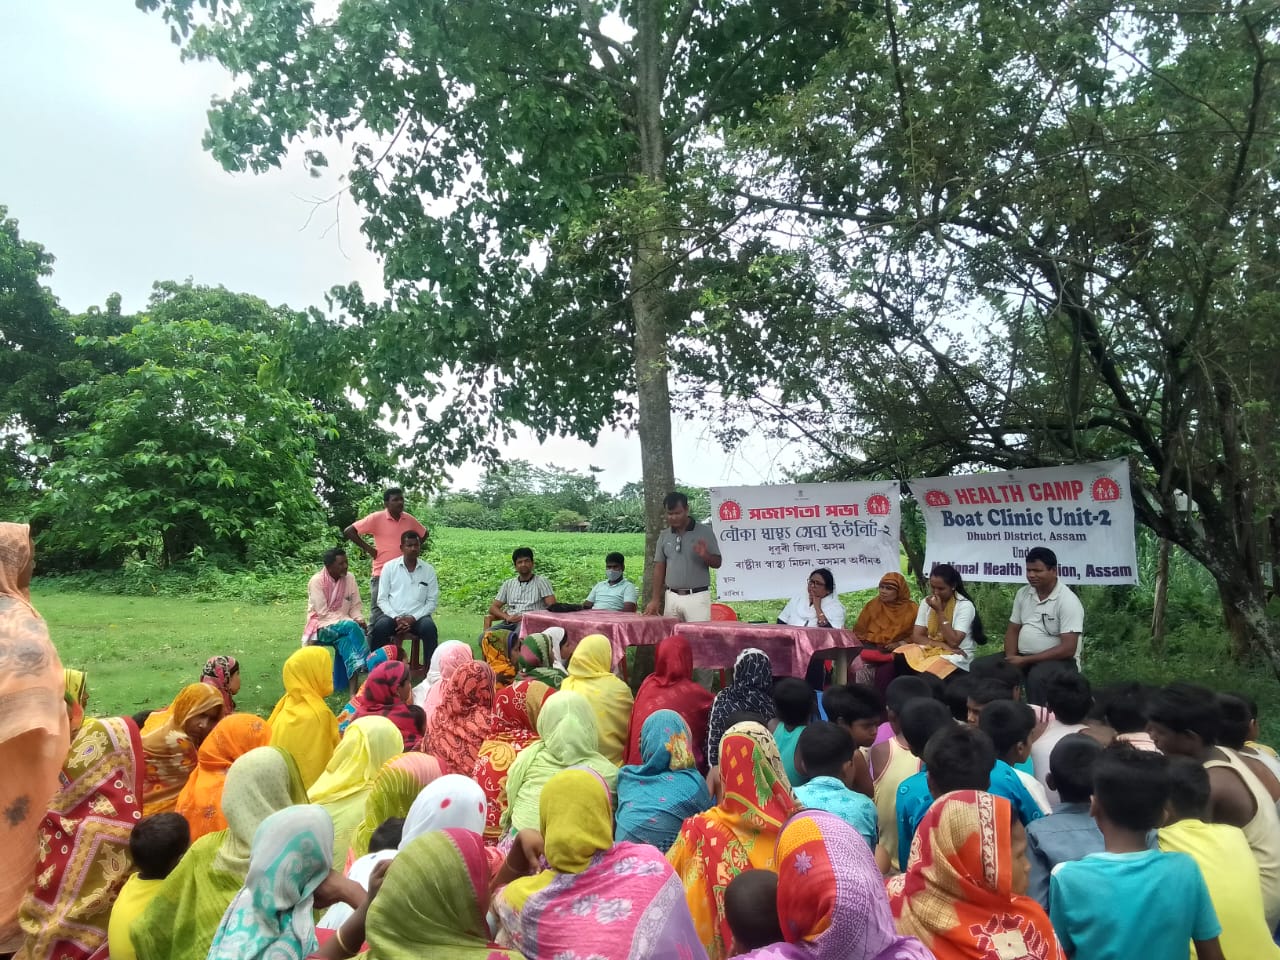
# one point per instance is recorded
(170, 742)
(884, 624)
(34, 726)
(738, 834)
(201, 799)
(514, 726)
(964, 893)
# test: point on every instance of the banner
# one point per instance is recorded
(983, 524)
(773, 537)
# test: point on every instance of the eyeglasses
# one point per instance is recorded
(818, 583)
(677, 544)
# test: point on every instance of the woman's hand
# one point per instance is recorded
(335, 888)
(934, 603)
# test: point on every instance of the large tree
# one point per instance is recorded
(1049, 233)
(529, 175)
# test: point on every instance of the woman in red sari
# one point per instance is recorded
(84, 845)
(514, 726)
(671, 687)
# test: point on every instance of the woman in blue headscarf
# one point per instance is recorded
(656, 795)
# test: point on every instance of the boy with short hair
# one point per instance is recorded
(920, 720)
(983, 692)
(890, 763)
(156, 844)
(858, 710)
(751, 910)
(1069, 697)
(795, 701)
(826, 753)
(1225, 862)
(1124, 710)
(1130, 901)
(1070, 832)
(1009, 725)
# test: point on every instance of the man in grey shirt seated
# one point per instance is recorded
(517, 596)
(686, 554)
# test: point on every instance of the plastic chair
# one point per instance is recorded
(722, 611)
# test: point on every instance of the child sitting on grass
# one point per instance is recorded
(825, 754)
(156, 844)
(1009, 725)
(891, 762)
(795, 702)
(1070, 832)
(751, 909)
(857, 710)
(1130, 901)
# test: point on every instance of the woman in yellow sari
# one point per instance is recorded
(591, 674)
(302, 722)
(34, 728)
(170, 743)
(348, 780)
(947, 628)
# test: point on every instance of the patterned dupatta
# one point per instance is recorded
(84, 844)
(514, 726)
(458, 727)
(957, 894)
(170, 754)
(380, 697)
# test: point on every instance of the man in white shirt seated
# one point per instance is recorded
(1045, 625)
(408, 594)
(615, 592)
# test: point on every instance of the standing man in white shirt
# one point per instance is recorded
(687, 552)
(1045, 626)
(615, 592)
(408, 593)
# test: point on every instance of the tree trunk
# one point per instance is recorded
(1161, 598)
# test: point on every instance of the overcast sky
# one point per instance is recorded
(102, 164)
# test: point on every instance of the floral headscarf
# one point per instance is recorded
(380, 697)
(218, 672)
(461, 721)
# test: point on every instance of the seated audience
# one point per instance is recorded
(885, 623)
(947, 628)
(76, 695)
(301, 722)
(749, 691)
(964, 892)
(389, 693)
(737, 834)
(817, 606)
(751, 910)
(657, 795)
(1226, 864)
(857, 710)
(221, 673)
(84, 843)
(956, 694)
(408, 594)
(1254, 730)
(1070, 832)
(671, 687)
(1068, 696)
(513, 726)
(794, 704)
(891, 762)
(1132, 900)
(540, 657)
(395, 787)
(459, 726)
(201, 799)
(1124, 710)
(520, 594)
(156, 844)
(170, 742)
(1185, 721)
(591, 676)
(1237, 719)
(615, 592)
(830, 900)
(335, 619)
(447, 658)
(982, 691)
(619, 900)
(1009, 724)
(348, 779)
(826, 755)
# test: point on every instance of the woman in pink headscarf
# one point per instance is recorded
(35, 732)
(448, 657)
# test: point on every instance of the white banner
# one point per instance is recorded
(773, 537)
(983, 524)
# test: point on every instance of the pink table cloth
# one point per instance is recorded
(717, 643)
(623, 629)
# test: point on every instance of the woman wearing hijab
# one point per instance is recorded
(750, 691)
(448, 657)
(434, 900)
(537, 657)
(171, 740)
(34, 724)
(301, 722)
(591, 674)
(964, 892)
(514, 726)
(623, 900)
(671, 687)
(740, 833)
(180, 922)
(831, 900)
(270, 918)
(388, 693)
(656, 796)
(347, 781)
(395, 788)
(77, 698)
(884, 624)
(84, 844)
(567, 737)
(223, 674)
(458, 727)
(200, 801)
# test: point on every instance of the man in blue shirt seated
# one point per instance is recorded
(615, 591)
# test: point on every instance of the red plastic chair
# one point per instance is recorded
(722, 611)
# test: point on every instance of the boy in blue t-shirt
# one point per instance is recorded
(825, 758)
(1131, 901)
(795, 703)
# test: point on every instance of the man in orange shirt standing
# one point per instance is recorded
(385, 526)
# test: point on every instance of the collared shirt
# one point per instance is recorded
(685, 569)
(612, 596)
(408, 593)
(386, 532)
(1044, 621)
(1069, 833)
(516, 596)
(318, 588)
(829, 794)
(799, 612)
